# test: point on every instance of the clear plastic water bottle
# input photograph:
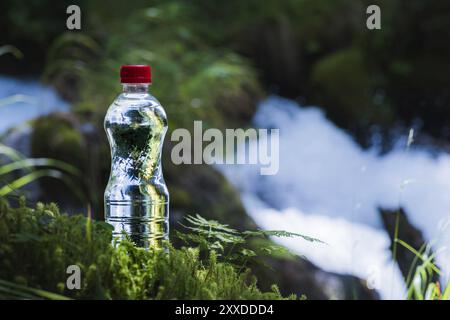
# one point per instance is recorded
(136, 197)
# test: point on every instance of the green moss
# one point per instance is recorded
(343, 78)
(222, 93)
(38, 244)
(57, 136)
(343, 85)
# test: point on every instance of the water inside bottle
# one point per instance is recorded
(136, 198)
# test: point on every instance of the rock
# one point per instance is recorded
(343, 85)
(301, 277)
(202, 189)
(406, 260)
(57, 135)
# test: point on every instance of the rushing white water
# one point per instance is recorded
(330, 188)
(23, 100)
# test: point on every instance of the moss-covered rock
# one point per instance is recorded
(58, 135)
(344, 86)
(201, 189)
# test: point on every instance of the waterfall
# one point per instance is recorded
(330, 188)
(22, 100)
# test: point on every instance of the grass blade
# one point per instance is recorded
(9, 290)
(28, 178)
(39, 162)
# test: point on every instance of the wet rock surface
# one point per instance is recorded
(397, 224)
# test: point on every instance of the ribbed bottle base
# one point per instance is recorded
(143, 222)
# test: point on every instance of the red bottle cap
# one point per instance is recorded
(135, 74)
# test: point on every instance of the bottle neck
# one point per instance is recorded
(135, 87)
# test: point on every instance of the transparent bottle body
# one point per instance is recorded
(136, 197)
